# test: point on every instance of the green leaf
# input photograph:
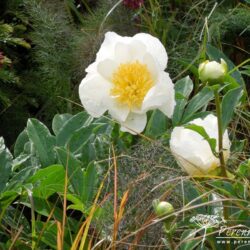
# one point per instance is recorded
(238, 145)
(5, 164)
(75, 173)
(197, 102)
(21, 176)
(88, 153)
(81, 137)
(20, 42)
(201, 115)
(7, 197)
(59, 121)
(183, 89)
(244, 169)
(76, 203)
(229, 102)
(157, 124)
(231, 83)
(20, 142)
(193, 196)
(48, 181)
(43, 141)
(89, 183)
(49, 235)
(74, 123)
(200, 130)
(43, 206)
(224, 187)
(246, 69)
(19, 161)
(189, 241)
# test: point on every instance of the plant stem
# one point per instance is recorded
(220, 133)
(221, 155)
(170, 240)
(33, 221)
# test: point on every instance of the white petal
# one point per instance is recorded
(192, 151)
(135, 123)
(138, 49)
(128, 52)
(106, 68)
(107, 49)
(155, 48)
(168, 106)
(161, 96)
(117, 111)
(92, 68)
(94, 93)
(149, 60)
(214, 70)
(211, 127)
(122, 53)
(189, 166)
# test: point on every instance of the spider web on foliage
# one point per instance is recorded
(141, 172)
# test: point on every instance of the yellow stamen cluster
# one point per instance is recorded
(131, 82)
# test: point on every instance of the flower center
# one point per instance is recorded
(131, 82)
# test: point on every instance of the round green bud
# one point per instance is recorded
(163, 208)
(212, 72)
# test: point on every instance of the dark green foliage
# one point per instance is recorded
(64, 42)
(38, 170)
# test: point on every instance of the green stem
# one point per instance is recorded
(33, 221)
(170, 240)
(220, 134)
(221, 155)
(238, 66)
(168, 232)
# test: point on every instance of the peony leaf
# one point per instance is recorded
(157, 124)
(244, 169)
(229, 102)
(59, 121)
(183, 89)
(81, 137)
(74, 123)
(201, 115)
(200, 130)
(5, 164)
(74, 168)
(42, 140)
(197, 102)
(48, 181)
(89, 182)
(20, 142)
(189, 240)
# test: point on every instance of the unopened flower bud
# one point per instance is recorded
(163, 208)
(212, 72)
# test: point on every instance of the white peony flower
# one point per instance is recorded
(128, 79)
(193, 152)
(212, 72)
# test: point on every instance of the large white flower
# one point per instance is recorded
(193, 152)
(128, 79)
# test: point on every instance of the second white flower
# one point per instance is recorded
(193, 152)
